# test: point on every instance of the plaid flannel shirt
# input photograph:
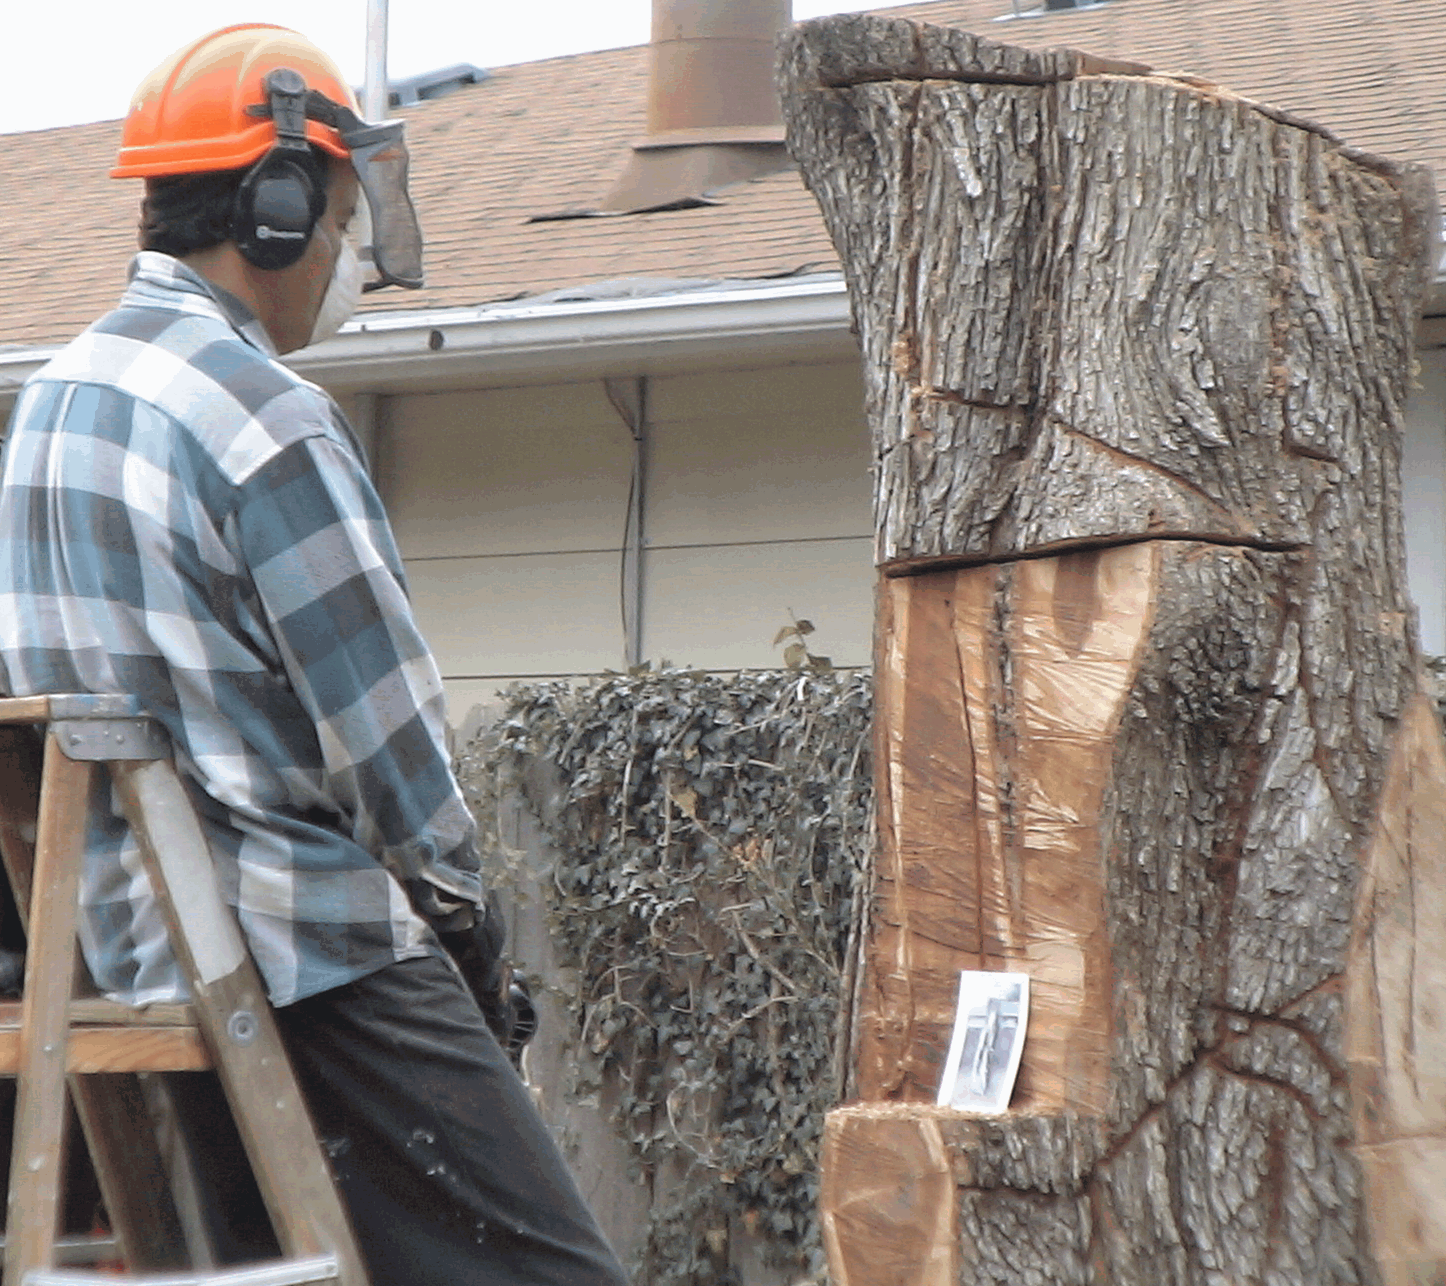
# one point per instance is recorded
(185, 519)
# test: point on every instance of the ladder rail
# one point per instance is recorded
(33, 1209)
(235, 1017)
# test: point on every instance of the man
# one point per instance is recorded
(185, 519)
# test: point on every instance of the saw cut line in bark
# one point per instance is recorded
(926, 565)
(1147, 727)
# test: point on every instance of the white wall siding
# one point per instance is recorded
(509, 506)
(719, 607)
(519, 614)
(1423, 486)
(505, 471)
(758, 455)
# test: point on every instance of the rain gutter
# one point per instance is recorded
(560, 341)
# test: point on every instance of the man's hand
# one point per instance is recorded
(501, 995)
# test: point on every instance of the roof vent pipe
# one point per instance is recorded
(713, 116)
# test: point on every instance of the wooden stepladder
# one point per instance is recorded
(54, 1039)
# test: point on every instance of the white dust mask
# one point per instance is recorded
(343, 293)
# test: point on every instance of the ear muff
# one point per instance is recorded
(275, 213)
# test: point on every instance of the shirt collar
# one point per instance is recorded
(157, 278)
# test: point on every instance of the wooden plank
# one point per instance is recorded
(119, 1049)
(36, 1158)
(24, 709)
(20, 755)
(96, 1012)
(234, 1013)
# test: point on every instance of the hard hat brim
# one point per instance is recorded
(186, 157)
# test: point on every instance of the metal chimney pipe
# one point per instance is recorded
(711, 76)
(713, 116)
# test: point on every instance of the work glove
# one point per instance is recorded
(501, 994)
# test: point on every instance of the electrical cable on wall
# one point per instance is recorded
(629, 399)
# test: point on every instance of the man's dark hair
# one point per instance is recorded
(184, 213)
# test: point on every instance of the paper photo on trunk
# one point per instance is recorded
(984, 1050)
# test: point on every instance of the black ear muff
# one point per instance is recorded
(277, 206)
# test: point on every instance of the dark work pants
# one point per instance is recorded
(449, 1173)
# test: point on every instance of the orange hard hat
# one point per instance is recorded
(189, 115)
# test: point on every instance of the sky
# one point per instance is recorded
(67, 62)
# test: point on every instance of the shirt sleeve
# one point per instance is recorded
(329, 580)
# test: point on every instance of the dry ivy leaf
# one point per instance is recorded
(660, 919)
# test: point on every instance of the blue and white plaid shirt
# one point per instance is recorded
(185, 519)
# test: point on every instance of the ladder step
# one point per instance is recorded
(108, 1037)
(119, 1049)
(99, 1012)
(281, 1272)
(82, 1249)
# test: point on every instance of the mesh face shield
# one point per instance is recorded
(379, 156)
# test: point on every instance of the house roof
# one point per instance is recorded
(544, 137)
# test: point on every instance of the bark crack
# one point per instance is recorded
(922, 77)
(1209, 1056)
(1293, 446)
(1253, 1077)
(1005, 744)
(933, 393)
(1332, 1067)
(1128, 457)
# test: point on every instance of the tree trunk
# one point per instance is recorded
(1150, 725)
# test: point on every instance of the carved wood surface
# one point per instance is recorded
(1135, 354)
(1395, 1032)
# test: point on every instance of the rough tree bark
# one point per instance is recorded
(1149, 718)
